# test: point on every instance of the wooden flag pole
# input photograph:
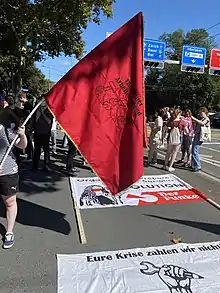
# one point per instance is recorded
(80, 225)
(79, 221)
(16, 137)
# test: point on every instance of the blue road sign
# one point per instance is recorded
(154, 50)
(193, 56)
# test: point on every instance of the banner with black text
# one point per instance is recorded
(181, 268)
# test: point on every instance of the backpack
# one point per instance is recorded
(205, 133)
(174, 136)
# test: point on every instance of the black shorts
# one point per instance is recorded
(9, 184)
(186, 142)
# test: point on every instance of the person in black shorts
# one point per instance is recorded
(9, 178)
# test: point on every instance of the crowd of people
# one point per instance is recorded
(39, 134)
(181, 131)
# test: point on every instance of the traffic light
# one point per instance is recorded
(153, 64)
(192, 69)
(213, 71)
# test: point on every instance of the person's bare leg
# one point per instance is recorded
(11, 211)
(151, 151)
(168, 154)
(174, 155)
(189, 155)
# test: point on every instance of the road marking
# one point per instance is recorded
(206, 156)
(214, 163)
(209, 176)
(213, 143)
(210, 149)
(204, 174)
(210, 160)
(203, 158)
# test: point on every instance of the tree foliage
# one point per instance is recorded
(36, 29)
(32, 78)
(187, 90)
(35, 81)
(47, 27)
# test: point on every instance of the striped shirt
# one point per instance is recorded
(10, 165)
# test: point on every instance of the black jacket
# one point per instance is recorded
(8, 117)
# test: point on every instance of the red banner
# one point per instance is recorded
(166, 197)
(99, 104)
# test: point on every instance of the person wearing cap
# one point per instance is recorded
(9, 178)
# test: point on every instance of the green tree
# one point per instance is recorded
(37, 29)
(180, 88)
(35, 81)
(32, 78)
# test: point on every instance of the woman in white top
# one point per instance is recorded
(155, 137)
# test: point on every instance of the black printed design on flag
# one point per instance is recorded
(98, 195)
(177, 279)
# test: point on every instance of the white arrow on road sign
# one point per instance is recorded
(193, 60)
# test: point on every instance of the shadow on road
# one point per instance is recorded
(212, 228)
(32, 214)
(32, 183)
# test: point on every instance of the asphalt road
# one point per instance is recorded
(46, 225)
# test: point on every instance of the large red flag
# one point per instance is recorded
(99, 104)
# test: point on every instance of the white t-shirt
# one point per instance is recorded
(54, 125)
(155, 134)
(168, 115)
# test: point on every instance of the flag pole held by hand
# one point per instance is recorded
(16, 137)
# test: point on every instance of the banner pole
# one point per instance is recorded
(79, 221)
(82, 234)
(16, 137)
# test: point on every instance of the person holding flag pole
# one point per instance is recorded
(9, 177)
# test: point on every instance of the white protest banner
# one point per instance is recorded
(181, 268)
(159, 189)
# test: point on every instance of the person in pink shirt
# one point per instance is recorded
(177, 126)
(186, 146)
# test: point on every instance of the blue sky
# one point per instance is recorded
(159, 15)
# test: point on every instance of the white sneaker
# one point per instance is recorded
(170, 169)
(9, 240)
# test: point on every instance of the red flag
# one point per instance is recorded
(99, 104)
